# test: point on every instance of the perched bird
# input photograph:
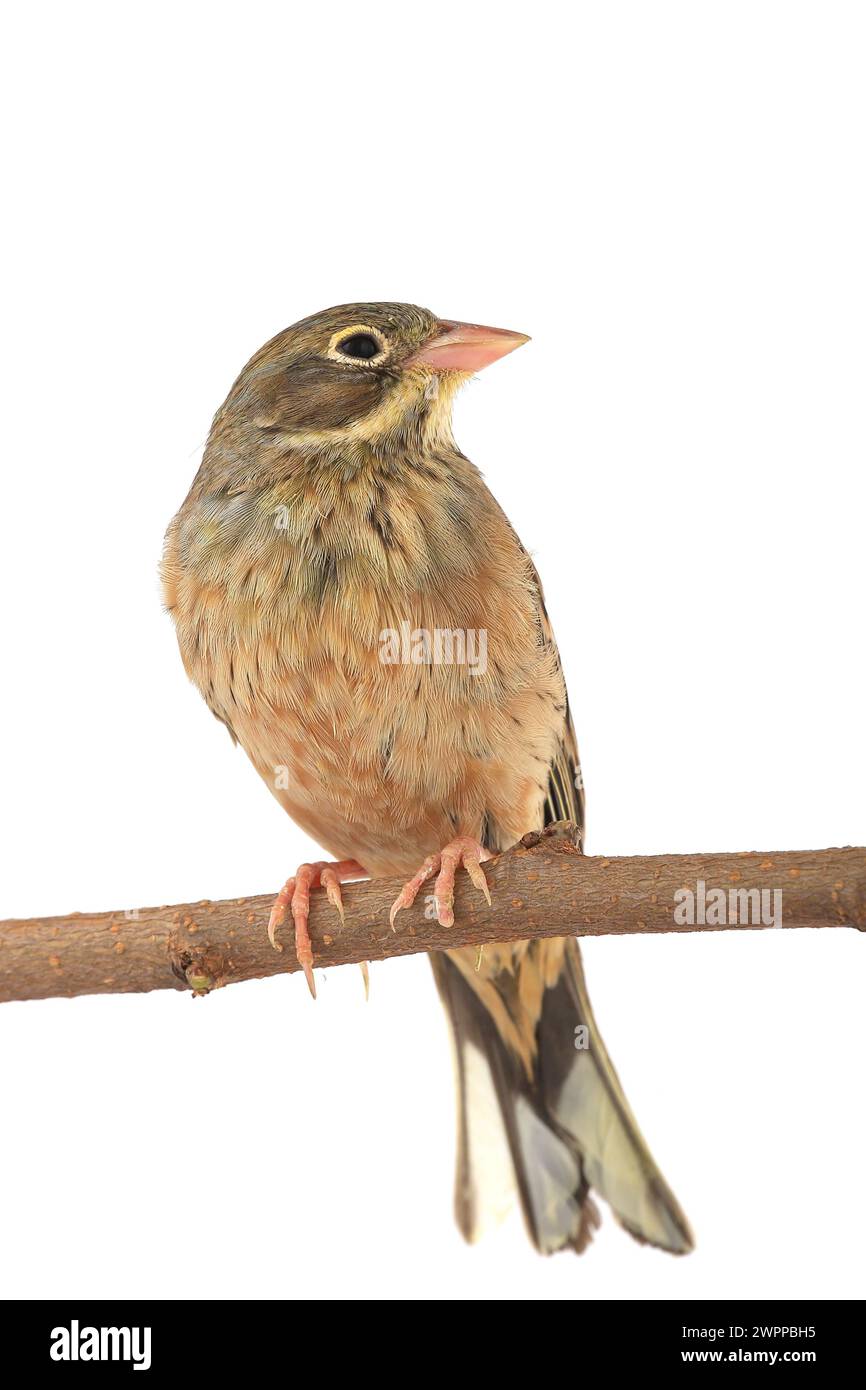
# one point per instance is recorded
(358, 611)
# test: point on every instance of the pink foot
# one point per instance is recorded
(295, 894)
(463, 851)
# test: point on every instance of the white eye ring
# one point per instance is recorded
(355, 331)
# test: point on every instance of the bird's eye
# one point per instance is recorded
(360, 345)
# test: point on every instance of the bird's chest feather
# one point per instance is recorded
(375, 683)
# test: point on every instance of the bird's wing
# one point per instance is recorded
(565, 797)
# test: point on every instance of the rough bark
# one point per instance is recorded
(541, 887)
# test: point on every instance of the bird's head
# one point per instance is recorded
(379, 374)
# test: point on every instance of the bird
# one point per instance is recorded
(358, 611)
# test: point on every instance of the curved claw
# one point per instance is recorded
(478, 876)
(331, 884)
(295, 895)
(307, 967)
(278, 911)
(409, 891)
(463, 851)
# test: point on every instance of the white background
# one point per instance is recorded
(670, 200)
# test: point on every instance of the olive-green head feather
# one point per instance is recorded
(367, 371)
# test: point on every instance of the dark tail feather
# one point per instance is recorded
(569, 1128)
(554, 1197)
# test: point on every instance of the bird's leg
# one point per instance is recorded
(295, 894)
(463, 851)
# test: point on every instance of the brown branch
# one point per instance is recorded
(542, 887)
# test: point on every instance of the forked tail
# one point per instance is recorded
(569, 1127)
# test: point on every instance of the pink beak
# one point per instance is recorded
(465, 347)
